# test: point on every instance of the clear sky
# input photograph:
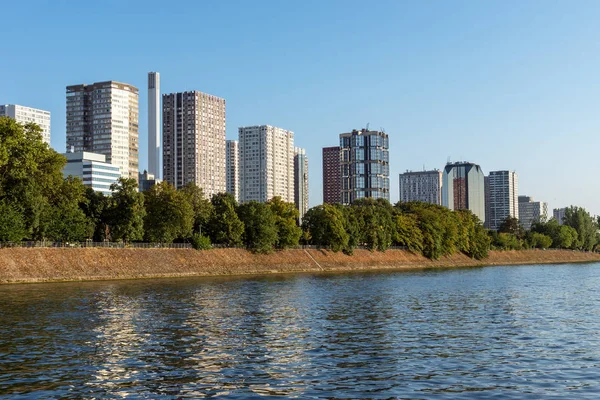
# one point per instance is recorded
(505, 84)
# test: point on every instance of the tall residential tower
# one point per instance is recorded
(232, 159)
(365, 165)
(301, 181)
(425, 186)
(332, 178)
(102, 118)
(194, 141)
(463, 188)
(266, 163)
(154, 140)
(502, 197)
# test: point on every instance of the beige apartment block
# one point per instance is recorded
(103, 118)
(266, 163)
(194, 141)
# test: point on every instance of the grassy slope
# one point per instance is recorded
(41, 265)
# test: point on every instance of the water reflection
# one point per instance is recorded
(506, 332)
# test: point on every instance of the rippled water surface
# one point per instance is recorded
(521, 332)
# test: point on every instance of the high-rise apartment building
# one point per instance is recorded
(332, 177)
(425, 186)
(24, 115)
(301, 181)
(365, 166)
(266, 163)
(102, 118)
(531, 211)
(232, 160)
(154, 139)
(559, 214)
(463, 188)
(502, 192)
(194, 141)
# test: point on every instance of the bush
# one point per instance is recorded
(200, 242)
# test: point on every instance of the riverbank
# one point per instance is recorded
(21, 265)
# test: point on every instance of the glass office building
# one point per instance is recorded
(365, 166)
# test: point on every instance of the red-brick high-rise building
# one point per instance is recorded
(332, 178)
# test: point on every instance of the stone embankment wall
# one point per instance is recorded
(19, 265)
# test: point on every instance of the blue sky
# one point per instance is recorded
(506, 84)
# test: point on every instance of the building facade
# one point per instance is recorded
(232, 160)
(365, 167)
(146, 181)
(154, 139)
(301, 181)
(102, 118)
(266, 163)
(502, 192)
(559, 214)
(425, 186)
(463, 188)
(24, 115)
(531, 211)
(93, 170)
(332, 177)
(194, 141)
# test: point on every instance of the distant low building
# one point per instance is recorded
(559, 214)
(531, 211)
(93, 170)
(425, 186)
(147, 180)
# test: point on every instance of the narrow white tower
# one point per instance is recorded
(154, 139)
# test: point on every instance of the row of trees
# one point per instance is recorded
(431, 230)
(578, 231)
(37, 203)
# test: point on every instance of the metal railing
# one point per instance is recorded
(138, 245)
(115, 245)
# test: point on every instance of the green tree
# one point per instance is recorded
(169, 215)
(407, 232)
(201, 206)
(30, 173)
(540, 241)
(286, 217)
(326, 227)
(95, 208)
(260, 226)
(565, 237)
(480, 242)
(224, 226)
(12, 225)
(66, 220)
(351, 224)
(505, 241)
(126, 212)
(511, 225)
(431, 222)
(585, 226)
(375, 222)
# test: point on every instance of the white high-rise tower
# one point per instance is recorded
(154, 140)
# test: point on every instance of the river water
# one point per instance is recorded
(496, 332)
